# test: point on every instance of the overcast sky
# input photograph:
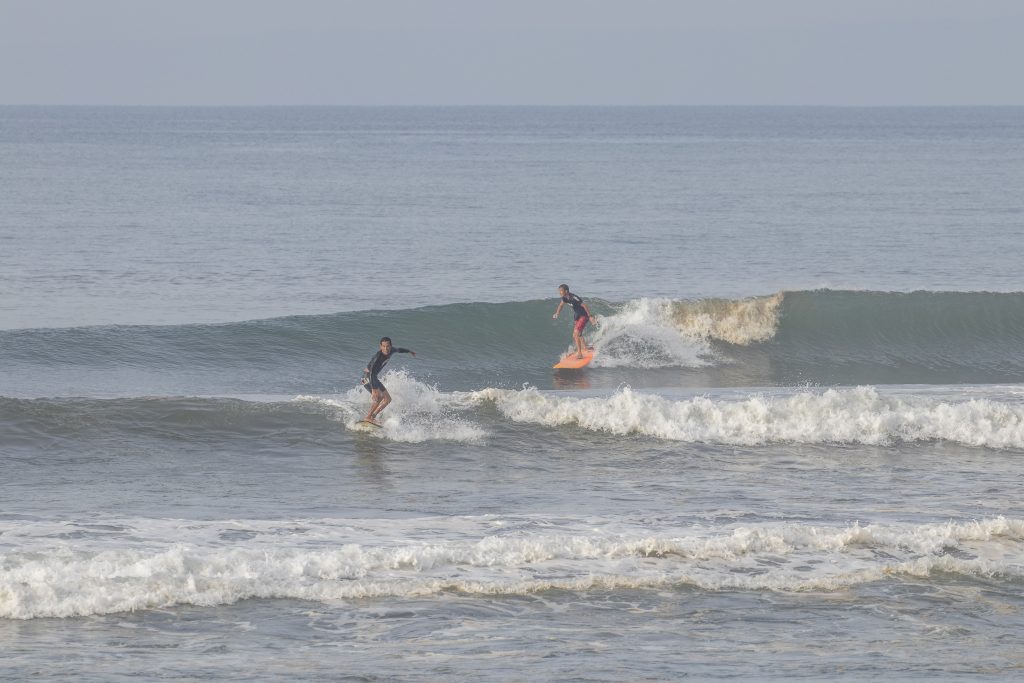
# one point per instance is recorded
(430, 52)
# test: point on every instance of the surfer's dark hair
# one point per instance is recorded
(386, 339)
(565, 287)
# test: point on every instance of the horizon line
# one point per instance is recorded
(511, 106)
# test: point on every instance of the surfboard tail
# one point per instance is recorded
(571, 362)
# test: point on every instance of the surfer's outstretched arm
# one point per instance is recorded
(559, 309)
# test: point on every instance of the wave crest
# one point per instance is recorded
(737, 321)
(855, 416)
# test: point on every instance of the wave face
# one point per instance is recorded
(829, 337)
(917, 337)
(807, 337)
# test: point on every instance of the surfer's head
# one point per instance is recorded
(563, 289)
(385, 344)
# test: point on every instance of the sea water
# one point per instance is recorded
(798, 453)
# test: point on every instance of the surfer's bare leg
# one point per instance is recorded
(382, 401)
(577, 335)
(369, 414)
(379, 400)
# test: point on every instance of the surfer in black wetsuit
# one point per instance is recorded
(580, 313)
(379, 393)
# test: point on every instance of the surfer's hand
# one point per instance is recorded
(554, 317)
(413, 353)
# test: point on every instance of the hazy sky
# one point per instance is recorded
(829, 52)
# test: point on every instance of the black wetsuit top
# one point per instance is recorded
(577, 306)
(378, 362)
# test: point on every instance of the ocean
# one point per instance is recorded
(798, 454)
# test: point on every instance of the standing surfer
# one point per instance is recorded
(580, 314)
(380, 398)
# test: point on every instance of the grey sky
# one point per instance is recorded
(828, 52)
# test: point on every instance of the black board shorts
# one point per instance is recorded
(374, 383)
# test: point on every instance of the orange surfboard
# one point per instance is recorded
(571, 362)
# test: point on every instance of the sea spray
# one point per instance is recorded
(417, 413)
(736, 321)
(642, 335)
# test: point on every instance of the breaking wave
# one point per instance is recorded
(220, 563)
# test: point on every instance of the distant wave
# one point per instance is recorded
(54, 570)
(816, 337)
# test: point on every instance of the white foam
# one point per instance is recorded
(336, 560)
(737, 321)
(653, 333)
(859, 415)
(417, 412)
(643, 335)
